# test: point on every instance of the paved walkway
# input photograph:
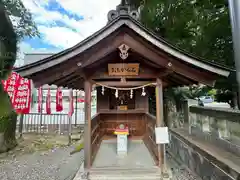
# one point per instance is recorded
(53, 165)
(107, 156)
(106, 164)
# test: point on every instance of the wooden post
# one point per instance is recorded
(41, 113)
(87, 125)
(159, 117)
(69, 130)
(21, 125)
(76, 103)
(70, 117)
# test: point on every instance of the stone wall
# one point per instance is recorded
(219, 126)
(197, 160)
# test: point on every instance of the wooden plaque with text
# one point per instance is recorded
(123, 69)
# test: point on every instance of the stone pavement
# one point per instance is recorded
(138, 155)
(137, 165)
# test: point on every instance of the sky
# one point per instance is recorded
(64, 23)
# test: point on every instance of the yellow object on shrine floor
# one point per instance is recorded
(121, 133)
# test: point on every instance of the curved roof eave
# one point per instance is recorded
(106, 31)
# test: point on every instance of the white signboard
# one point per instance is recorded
(162, 136)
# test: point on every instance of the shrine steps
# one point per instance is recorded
(118, 173)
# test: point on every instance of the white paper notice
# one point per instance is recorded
(162, 136)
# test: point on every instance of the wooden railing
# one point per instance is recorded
(96, 135)
(149, 138)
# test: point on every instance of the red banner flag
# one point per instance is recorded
(22, 96)
(40, 99)
(59, 105)
(71, 108)
(19, 91)
(48, 102)
(80, 100)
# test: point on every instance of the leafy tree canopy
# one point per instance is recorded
(200, 27)
(16, 23)
(21, 17)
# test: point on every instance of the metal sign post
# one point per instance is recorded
(162, 138)
(234, 7)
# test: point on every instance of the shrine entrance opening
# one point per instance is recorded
(124, 86)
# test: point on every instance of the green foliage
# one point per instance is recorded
(201, 28)
(212, 92)
(24, 25)
(11, 33)
(78, 148)
(8, 45)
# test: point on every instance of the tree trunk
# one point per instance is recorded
(8, 121)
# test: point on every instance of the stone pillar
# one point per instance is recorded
(223, 129)
(205, 123)
(87, 125)
(159, 117)
(186, 115)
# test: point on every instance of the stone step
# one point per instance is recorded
(76, 137)
(113, 173)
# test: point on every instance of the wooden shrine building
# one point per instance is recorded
(127, 64)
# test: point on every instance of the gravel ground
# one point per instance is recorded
(57, 164)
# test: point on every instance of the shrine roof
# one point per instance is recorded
(131, 23)
(118, 20)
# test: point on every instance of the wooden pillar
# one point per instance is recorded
(87, 125)
(76, 108)
(159, 117)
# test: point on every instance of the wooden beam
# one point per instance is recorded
(164, 73)
(103, 52)
(148, 75)
(106, 76)
(145, 51)
(195, 75)
(144, 73)
(68, 76)
(75, 80)
(52, 76)
(160, 58)
(181, 79)
(87, 125)
(123, 84)
(159, 117)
